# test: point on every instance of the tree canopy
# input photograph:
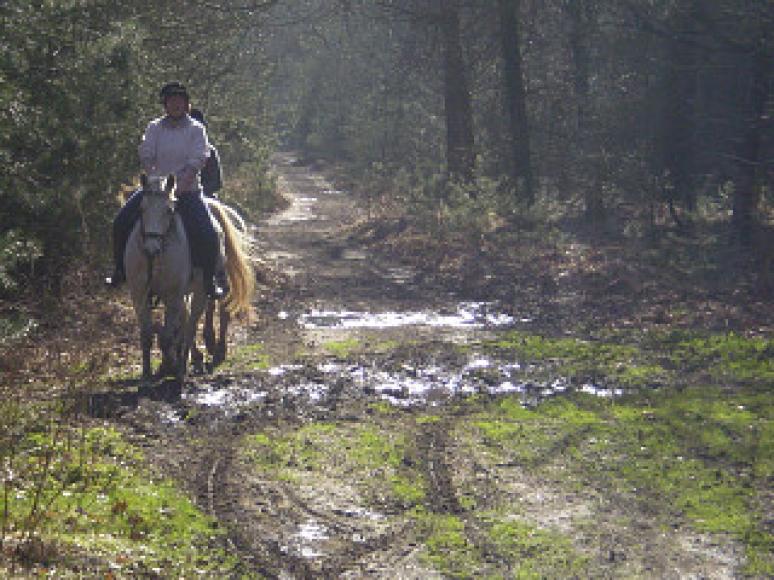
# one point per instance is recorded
(595, 104)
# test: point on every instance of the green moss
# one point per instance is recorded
(363, 453)
(342, 348)
(526, 435)
(536, 553)
(618, 363)
(726, 355)
(88, 489)
(249, 357)
(383, 408)
(429, 419)
(374, 448)
(447, 548)
(409, 490)
(649, 359)
(701, 454)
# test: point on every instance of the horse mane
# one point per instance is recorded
(239, 267)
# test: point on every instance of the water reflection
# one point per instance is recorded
(465, 315)
(432, 384)
(308, 537)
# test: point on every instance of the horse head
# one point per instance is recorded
(156, 210)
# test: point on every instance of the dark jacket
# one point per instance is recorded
(212, 178)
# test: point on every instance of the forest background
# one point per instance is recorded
(600, 167)
(621, 114)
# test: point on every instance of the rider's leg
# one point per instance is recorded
(203, 238)
(122, 229)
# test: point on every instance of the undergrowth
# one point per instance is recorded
(702, 455)
(77, 499)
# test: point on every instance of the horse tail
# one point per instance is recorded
(239, 267)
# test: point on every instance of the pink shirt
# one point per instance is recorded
(175, 147)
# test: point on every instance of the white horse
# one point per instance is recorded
(158, 265)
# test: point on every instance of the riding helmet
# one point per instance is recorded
(171, 89)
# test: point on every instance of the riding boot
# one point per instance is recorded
(122, 228)
(203, 240)
(215, 283)
(221, 279)
(117, 278)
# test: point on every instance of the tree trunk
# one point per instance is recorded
(751, 166)
(460, 155)
(679, 123)
(581, 18)
(515, 95)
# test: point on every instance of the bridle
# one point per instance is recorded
(155, 235)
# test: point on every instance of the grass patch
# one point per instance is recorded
(447, 547)
(651, 359)
(365, 454)
(342, 348)
(535, 552)
(248, 357)
(85, 491)
(701, 456)
(620, 364)
(531, 552)
(725, 356)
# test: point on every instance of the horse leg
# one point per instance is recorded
(182, 352)
(197, 357)
(220, 353)
(198, 303)
(146, 341)
(169, 339)
(145, 320)
(209, 328)
(174, 331)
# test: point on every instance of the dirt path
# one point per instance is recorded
(334, 444)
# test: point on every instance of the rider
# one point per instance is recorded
(175, 144)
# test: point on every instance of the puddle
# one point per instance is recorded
(283, 369)
(229, 398)
(316, 392)
(307, 538)
(433, 384)
(600, 391)
(466, 315)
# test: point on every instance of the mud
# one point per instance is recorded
(349, 445)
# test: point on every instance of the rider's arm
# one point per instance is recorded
(147, 148)
(197, 152)
(200, 149)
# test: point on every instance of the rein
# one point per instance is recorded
(153, 235)
(149, 293)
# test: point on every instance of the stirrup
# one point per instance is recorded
(215, 292)
(115, 280)
(221, 279)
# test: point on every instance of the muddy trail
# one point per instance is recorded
(349, 434)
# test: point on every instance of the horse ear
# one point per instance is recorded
(170, 183)
(144, 181)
